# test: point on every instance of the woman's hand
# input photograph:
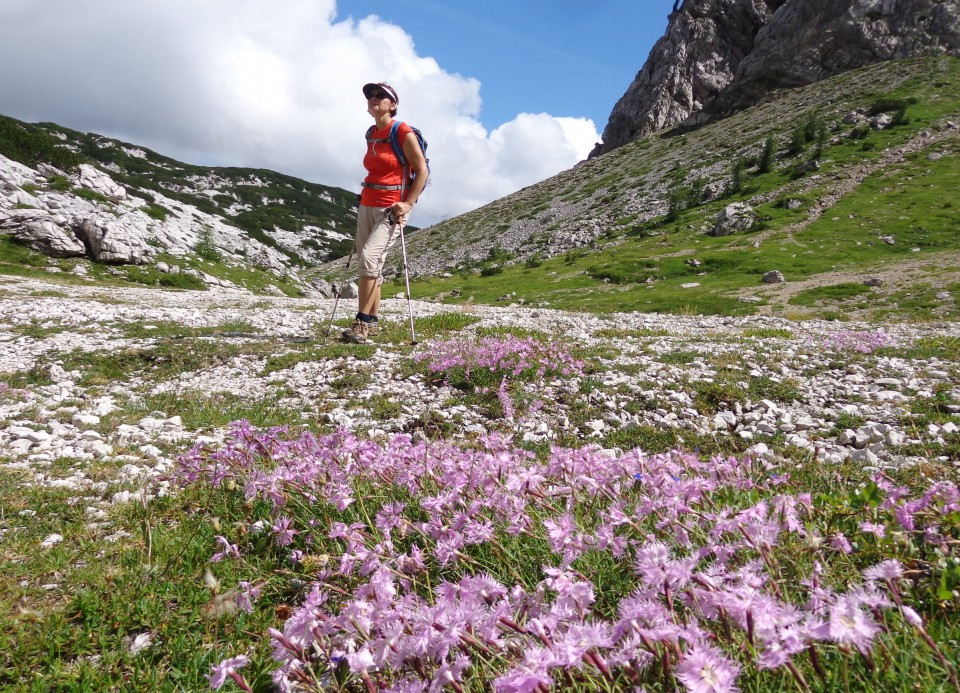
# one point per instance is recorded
(400, 210)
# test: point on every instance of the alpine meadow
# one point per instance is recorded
(684, 417)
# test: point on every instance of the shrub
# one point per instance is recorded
(205, 247)
(697, 187)
(736, 176)
(678, 201)
(60, 184)
(710, 398)
(895, 105)
(155, 211)
(150, 276)
(798, 141)
(182, 280)
(860, 132)
(498, 254)
(30, 145)
(820, 138)
(91, 195)
(811, 128)
(767, 156)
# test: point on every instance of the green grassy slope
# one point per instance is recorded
(832, 194)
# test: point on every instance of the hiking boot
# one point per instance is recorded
(358, 332)
(372, 329)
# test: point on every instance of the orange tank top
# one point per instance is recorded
(383, 167)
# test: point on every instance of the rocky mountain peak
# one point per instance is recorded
(718, 56)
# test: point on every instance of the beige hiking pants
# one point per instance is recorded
(375, 236)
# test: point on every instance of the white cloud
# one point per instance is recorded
(277, 85)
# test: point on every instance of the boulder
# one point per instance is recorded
(14, 175)
(881, 121)
(854, 118)
(774, 277)
(48, 171)
(48, 238)
(112, 241)
(349, 291)
(41, 232)
(737, 216)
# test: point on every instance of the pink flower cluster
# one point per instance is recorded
(487, 564)
(7, 391)
(864, 342)
(507, 356)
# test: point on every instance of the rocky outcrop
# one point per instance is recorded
(718, 56)
(40, 231)
(111, 240)
(99, 182)
(113, 227)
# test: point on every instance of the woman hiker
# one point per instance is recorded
(385, 202)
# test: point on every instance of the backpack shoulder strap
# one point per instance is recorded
(395, 142)
(374, 140)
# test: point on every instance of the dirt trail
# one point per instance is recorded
(940, 270)
(856, 176)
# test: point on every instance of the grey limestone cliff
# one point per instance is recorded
(718, 56)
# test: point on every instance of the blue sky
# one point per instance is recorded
(507, 93)
(565, 57)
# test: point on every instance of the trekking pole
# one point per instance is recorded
(336, 292)
(336, 302)
(406, 275)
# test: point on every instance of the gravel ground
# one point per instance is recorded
(844, 405)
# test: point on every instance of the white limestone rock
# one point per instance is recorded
(99, 182)
(41, 232)
(113, 240)
(737, 216)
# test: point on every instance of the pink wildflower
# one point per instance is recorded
(247, 596)
(911, 617)
(361, 661)
(229, 550)
(879, 530)
(521, 680)
(851, 625)
(841, 543)
(886, 570)
(284, 535)
(228, 667)
(706, 670)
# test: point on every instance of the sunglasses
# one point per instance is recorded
(379, 95)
